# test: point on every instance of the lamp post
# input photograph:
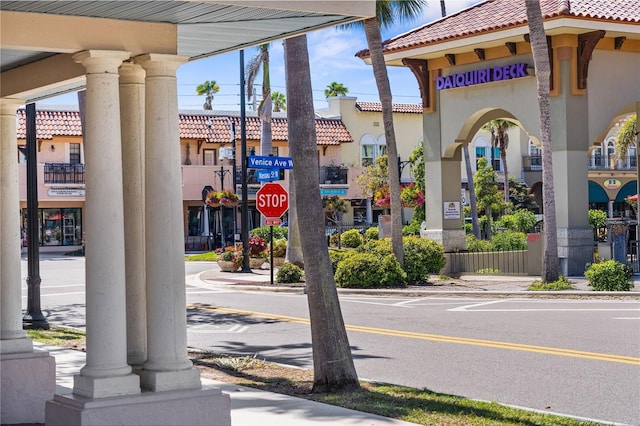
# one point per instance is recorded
(221, 173)
(33, 319)
(243, 143)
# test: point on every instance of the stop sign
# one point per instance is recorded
(272, 200)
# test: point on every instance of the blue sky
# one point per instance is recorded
(331, 56)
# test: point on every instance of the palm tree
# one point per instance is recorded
(208, 88)
(387, 13)
(279, 102)
(500, 139)
(538, 38)
(626, 136)
(333, 368)
(335, 89)
(261, 60)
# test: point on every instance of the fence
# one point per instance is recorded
(512, 262)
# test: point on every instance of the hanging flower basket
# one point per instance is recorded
(225, 198)
(212, 199)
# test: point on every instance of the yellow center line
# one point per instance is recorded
(441, 338)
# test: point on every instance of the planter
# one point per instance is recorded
(278, 261)
(227, 266)
(255, 262)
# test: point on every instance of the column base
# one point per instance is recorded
(105, 387)
(161, 381)
(451, 239)
(28, 382)
(188, 407)
(575, 250)
(16, 346)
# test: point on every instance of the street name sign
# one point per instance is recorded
(263, 162)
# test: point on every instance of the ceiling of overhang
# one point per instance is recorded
(204, 28)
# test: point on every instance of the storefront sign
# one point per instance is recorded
(487, 75)
(326, 191)
(65, 192)
(452, 209)
(612, 184)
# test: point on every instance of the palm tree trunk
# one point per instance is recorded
(503, 157)
(374, 42)
(294, 247)
(333, 367)
(550, 265)
(472, 193)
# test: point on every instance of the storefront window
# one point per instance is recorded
(58, 227)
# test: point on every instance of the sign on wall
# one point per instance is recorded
(487, 75)
(452, 209)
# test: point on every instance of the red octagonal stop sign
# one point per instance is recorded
(272, 200)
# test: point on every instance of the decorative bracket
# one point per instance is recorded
(512, 48)
(420, 70)
(586, 43)
(451, 58)
(618, 42)
(479, 53)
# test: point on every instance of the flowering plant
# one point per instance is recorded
(224, 198)
(258, 247)
(233, 254)
(411, 196)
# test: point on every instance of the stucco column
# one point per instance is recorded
(132, 128)
(106, 372)
(14, 339)
(167, 366)
(570, 148)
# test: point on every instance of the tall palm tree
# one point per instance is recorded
(261, 60)
(389, 12)
(538, 38)
(208, 88)
(500, 139)
(333, 368)
(626, 136)
(279, 102)
(335, 89)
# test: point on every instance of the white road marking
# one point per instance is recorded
(471, 308)
(627, 318)
(210, 328)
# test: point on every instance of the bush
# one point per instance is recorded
(366, 270)
(279, 232)
(610, 275)
(509, 240)
(521, 221)
(289, 273)
(411, 229)
(561, 284)
(279, 247)
(421, 258)
(372, 233)
(378, 247)
(474, 244)
(351, 238)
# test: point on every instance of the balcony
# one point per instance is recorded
(333, 175)
(63, 173)
(603, 162)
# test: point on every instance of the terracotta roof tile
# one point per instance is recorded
(399, 108)
(212, 127)
(492, 15)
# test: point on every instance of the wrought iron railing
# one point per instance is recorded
(334, 175)
(64, 173)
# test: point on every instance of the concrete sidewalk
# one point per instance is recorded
(249, 407)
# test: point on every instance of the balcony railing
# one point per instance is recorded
(334, 175)
(64, 173)
(596, 162)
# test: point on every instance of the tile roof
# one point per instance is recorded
(491, 15)
(215, 128)
(399, 108)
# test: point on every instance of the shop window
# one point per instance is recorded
(209, 157)
(59, 227)
(74, 153)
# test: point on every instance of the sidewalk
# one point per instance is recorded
(475, 285)
(249, 407)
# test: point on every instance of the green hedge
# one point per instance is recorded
(367, 270)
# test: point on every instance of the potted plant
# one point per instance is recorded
(230, 260)
(258, 252)
(279, 251)
(212, 199)
(228, 198)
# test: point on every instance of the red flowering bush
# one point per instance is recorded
(258, 247)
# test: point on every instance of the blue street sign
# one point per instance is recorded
(268, 175)
(262, 162)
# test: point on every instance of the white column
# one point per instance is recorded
(106, 372)
(132, 127)
(14, 339)
(167, 366)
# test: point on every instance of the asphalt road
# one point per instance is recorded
(574, 357)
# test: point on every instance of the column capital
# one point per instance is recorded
(131, 73)
(9, 106)
(101, 61)
(158, 64)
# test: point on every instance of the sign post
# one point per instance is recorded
(272, 201)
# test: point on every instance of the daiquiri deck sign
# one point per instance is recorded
(487, 75)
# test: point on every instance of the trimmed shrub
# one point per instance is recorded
(279, 232)
(366, 270)
(351, 238)
(336, 256)
(421, 258)
(610, 275)
(378, 247)
(372, 233)
(289, 273)
(509, 240)
(474, 244)
(411, 229)
(279, 247)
